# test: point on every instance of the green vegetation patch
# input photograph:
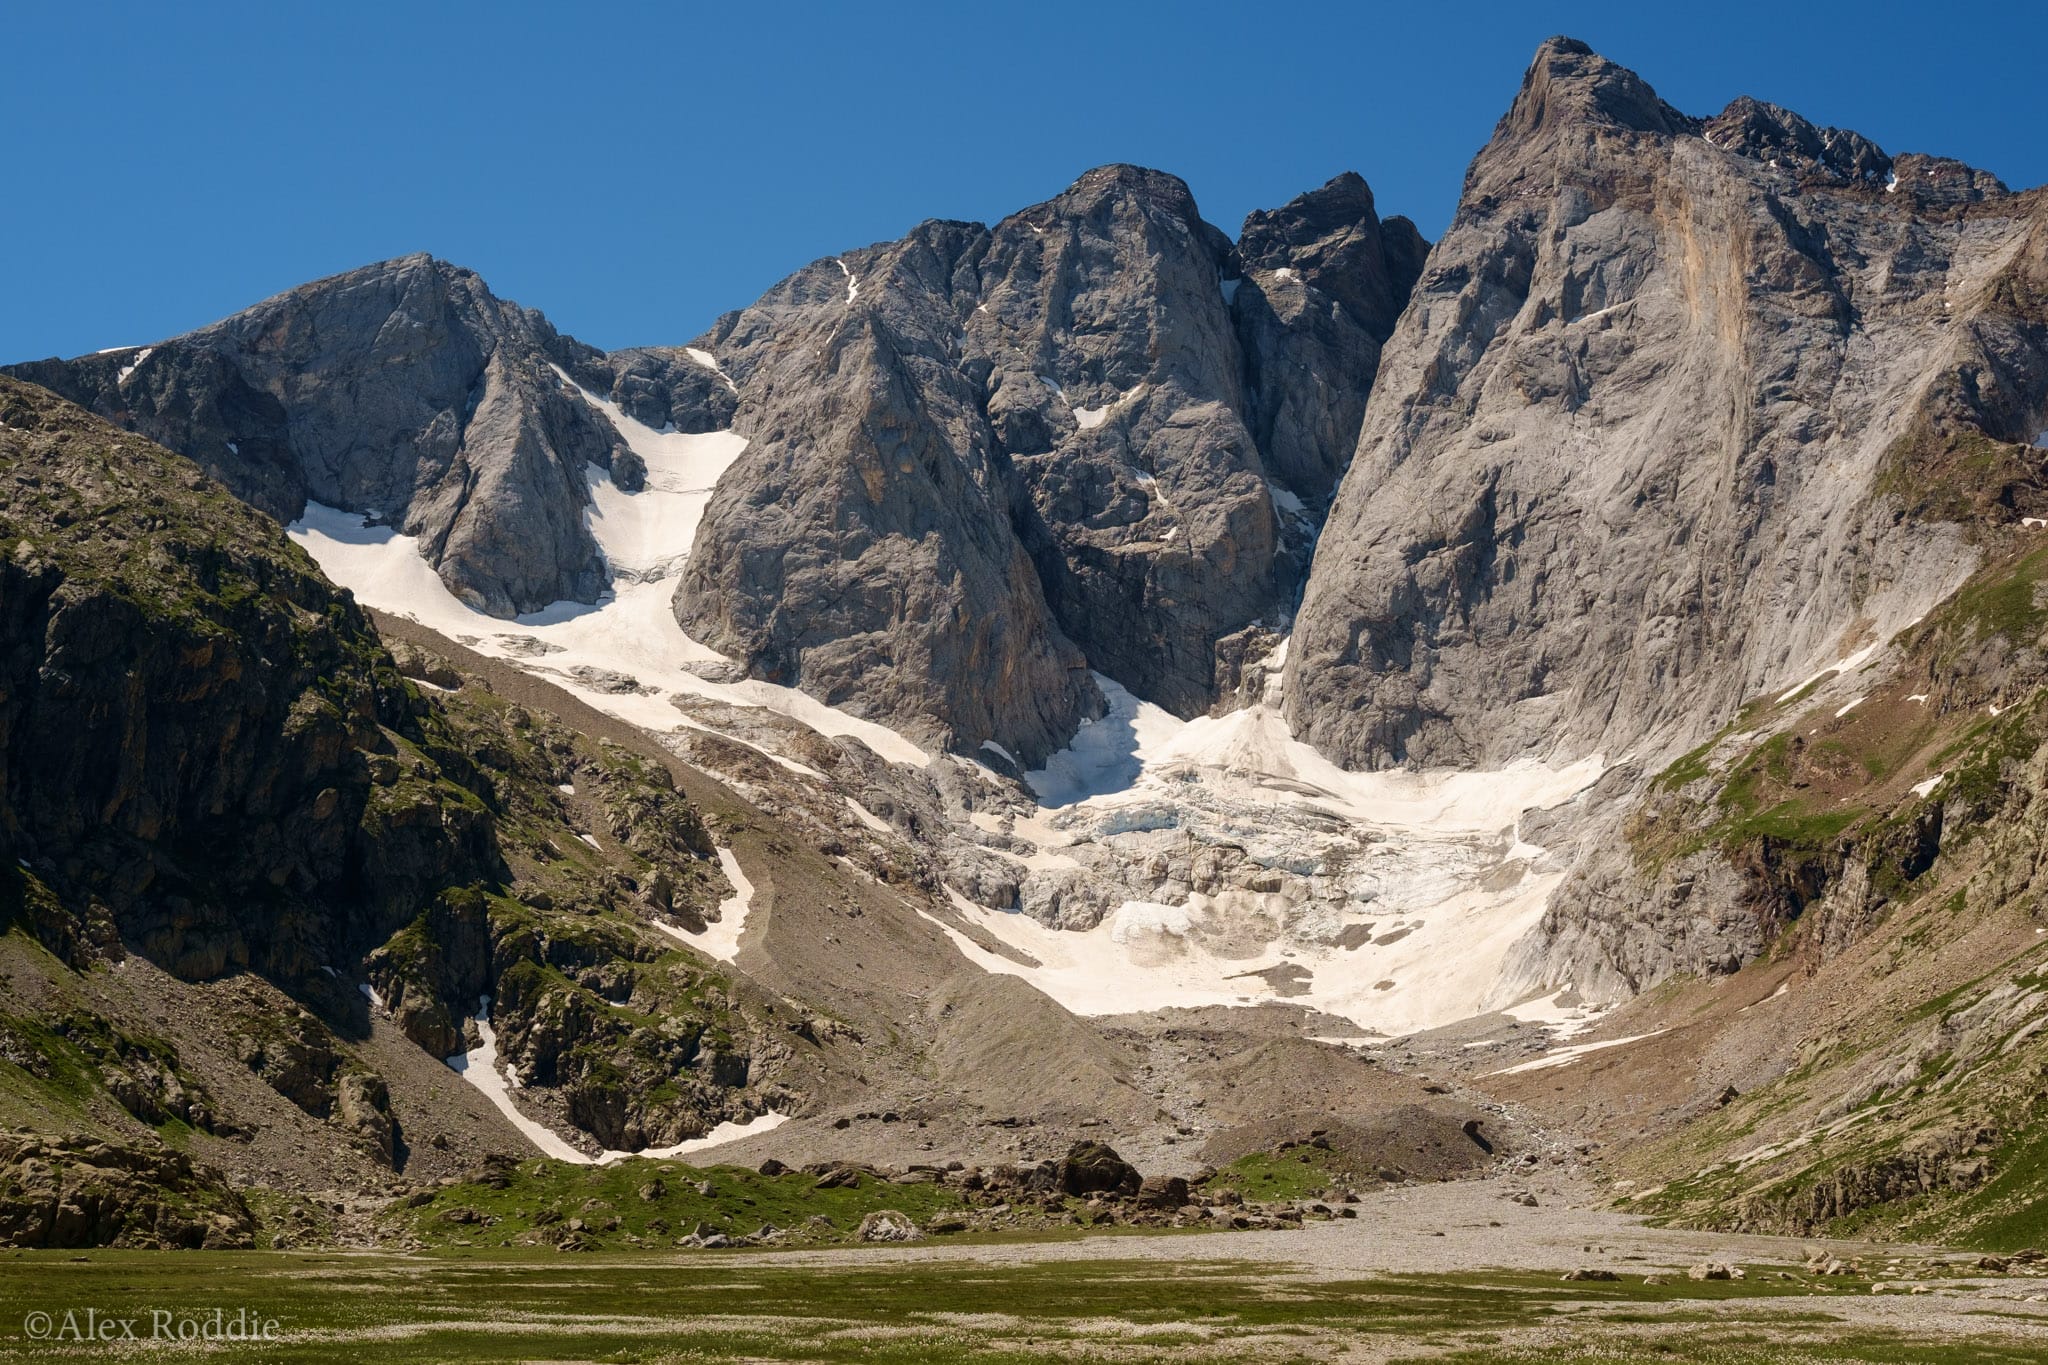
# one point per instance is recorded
(654, 1203)
(1300, 1171)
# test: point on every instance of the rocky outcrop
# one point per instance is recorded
(186, 707)
(405, 389)
(985, 459)
(1114, 392)
(74, 1192)
(1095, 1168)
(1629, 460)
(208, 758)
(1324, 281)
(862, 546)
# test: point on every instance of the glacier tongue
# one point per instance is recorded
(1258, 870)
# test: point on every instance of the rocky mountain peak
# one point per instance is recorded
(1569, 83)
(1095, 436)
(1620, 306)
(1334, 238)
(1770, 134)
(1122, 177)
(1090, 436)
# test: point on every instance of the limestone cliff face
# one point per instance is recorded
(1633, 452)
(862, 548)
(984, 460)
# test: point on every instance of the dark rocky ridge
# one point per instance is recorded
(209, 760)
(187, 710)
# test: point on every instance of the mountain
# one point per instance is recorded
(230, 814)
(290, 909)
(1610, 639)
(1095, 435)
(1085, 435)
(1660, 390)
(406, 390)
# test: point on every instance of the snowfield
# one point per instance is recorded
(1412, 935)
(721, 939)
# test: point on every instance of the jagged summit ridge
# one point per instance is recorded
(1569, 84)
(1087, 437)
(1091, 436)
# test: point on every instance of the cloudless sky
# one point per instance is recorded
(633, 170)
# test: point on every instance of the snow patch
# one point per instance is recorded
(1838, 667)
(1549, 1010)
(852, 281)
(1285, 500)
(1229, 289)
(1848, 706)
(133, 365)
(1088, 418)
(1924, 789)
(648, 534)
(1004, 754)
(717, 1137)
(721, 940)
(1105, 755)
(1567, 1055)
(868, 817)
(710, 362)
(479, 1066)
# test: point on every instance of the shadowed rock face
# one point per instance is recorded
(1624, 464)
(983, 460)
(1324, 281)
(407, 389)
(187, 712)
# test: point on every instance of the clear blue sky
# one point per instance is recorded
(633, 170)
